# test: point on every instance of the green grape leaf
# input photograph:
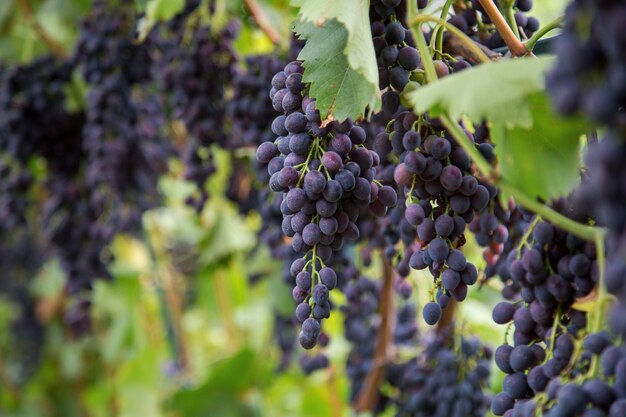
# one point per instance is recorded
(221, 394)
(157, 11)
(359, 48)
(339, 58)
(497, 92)
(542, 160)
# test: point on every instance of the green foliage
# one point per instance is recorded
(542, 160)
(228, 380)
(225, 323)
(339, 57)
(537, 150)
(158, 11)
(497, 92)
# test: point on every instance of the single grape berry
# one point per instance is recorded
(431, 313)
(503, 312)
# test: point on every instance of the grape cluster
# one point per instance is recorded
(250, 115)
(548, 272)
(603, 194)
(35, 92)
(446, 380)
(362, 320)
(588, 79)
(195, 77)
(106, 44)
(590, 73)
(35, 122)
(103, 155)
(326, 177)
(125, 150)
(14, 185)
(433, 173)
(442, 197)
(32, 122)
(396, 55)
(593, 384)
(250, 111)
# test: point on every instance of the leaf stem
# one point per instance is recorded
(439, 28)
(54, 47)
(509, 16)
(457, 133)
(556, 23)
(585, 232)
(466, 40)
(427, 61)
(555, 325)
(526, 235)
(601, 300)
(262, 21)
(516, 47)
(590, 233)
(602, 292)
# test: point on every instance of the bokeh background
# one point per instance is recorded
(188, 326)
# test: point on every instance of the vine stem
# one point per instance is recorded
(447, 317)
(457, 132)
(466, 40)
(262, 21)
(50, 43)
(438, 32)
(422, 47)
(590, 233)
(509, 16)
(524, 240)
(602, 297)
(164, 298)
(516, 47)
(585, 232)
(556, 23)
(368, 397)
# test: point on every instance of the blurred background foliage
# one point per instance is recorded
(184, 329)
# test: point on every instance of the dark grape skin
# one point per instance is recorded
(431, 313)
(395, 33)
(522, 358)
(564, 347)
(503, 312)
(537, 379)
(444, 225)
(320, 294)
(456, 260)
(309, 333)
(618, 408)
(599, 393)
(503, 358)
(597, 342)
(303, 311)
(328, 277)
(501, 403)
(571, 398)
(414, 214)
(303, 280)
(515, 385)
(438, 249)
(388, 196)
(450, 279)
